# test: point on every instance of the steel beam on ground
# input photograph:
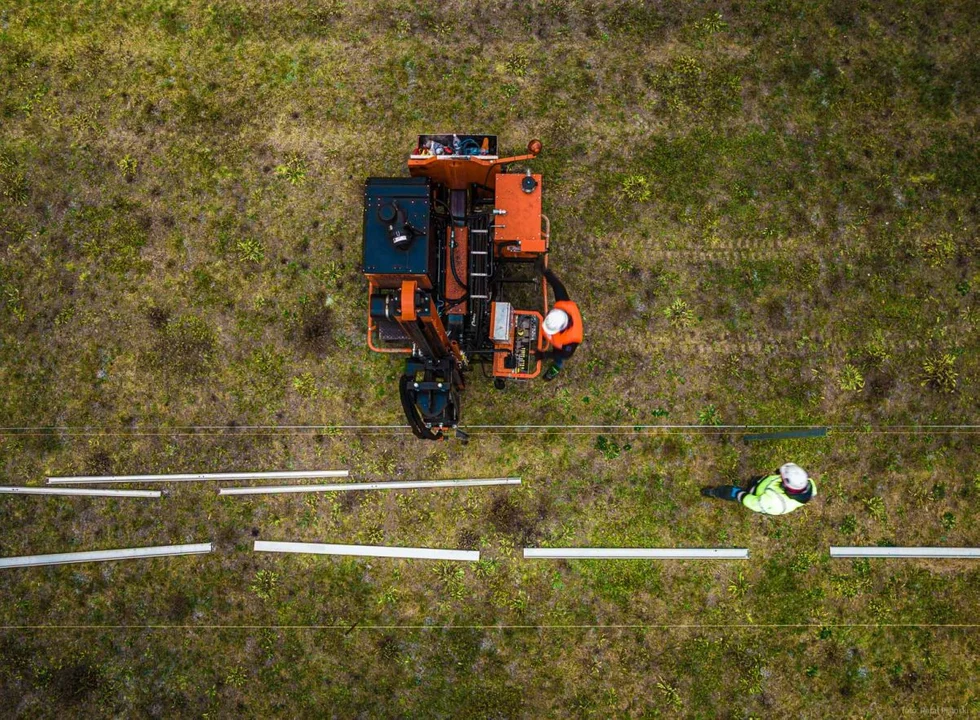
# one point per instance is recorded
(185, 477)
(367, 551)
(72, 492)
(104, 555)
(789, 434)
(340, 487)
(905, 552)
(637, 553)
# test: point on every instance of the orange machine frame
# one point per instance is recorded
(522, 221)
(458, 172)
(431, 322)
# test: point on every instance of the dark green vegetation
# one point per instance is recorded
(768, 211)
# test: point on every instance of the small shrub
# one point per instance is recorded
(389, 596)
(485, 568)
(517, 64)
(375, 535)
(635, 188)
(250, 250)
(237, 677)
(948, 521)
(938, 373)
(937, 249)
(452, 576)
(260, 380)
(127, 166)
(739, 586)
(875, 507)
(804, 561)
(848, 525)
(848, 586)
(733, 365)
(266, 584)
(305, 386)
(14, 302)
(710, 25)
(610, 449)
(670, 694)
(443, 29)
(626, 267)
(678, 314)
(876, 349)
(709, 416)
(851, 378)
(13, 182)
(293, 170)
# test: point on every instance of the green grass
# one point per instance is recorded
(767, 213)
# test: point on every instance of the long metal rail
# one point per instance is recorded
(341, 487)
(186, 477)
(104, 555)
(71, 492)
(367, 551)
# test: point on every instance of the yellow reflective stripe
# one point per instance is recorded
(770, 508)
(766, 483)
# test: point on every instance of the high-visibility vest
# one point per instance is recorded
(573, 333)
(770, 497)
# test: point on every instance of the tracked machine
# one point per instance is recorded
(440, 248)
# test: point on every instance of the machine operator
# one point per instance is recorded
(562, 326)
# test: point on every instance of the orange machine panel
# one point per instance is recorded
(525, 339)
(393, 282)
(521, 220)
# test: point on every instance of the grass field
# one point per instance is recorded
(767, 212)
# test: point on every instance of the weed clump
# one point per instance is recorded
(679, 315)
(13, 182)
(305, 386)
(851, 379)
(709, 415)
(610, 449)
(517, 64)
(938, 372)
(250, 250)
(128, 166)
(635, 189)
(293, 170)
(875, 507)
(876, 349)
(937, 249)
(266, 584)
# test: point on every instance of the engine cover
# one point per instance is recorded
(398, 239)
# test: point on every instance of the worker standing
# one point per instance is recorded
(777, 494)
(562, 326)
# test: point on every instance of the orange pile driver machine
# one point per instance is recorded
(440, 247)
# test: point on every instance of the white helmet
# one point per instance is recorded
(555, 321)
(794, 477)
